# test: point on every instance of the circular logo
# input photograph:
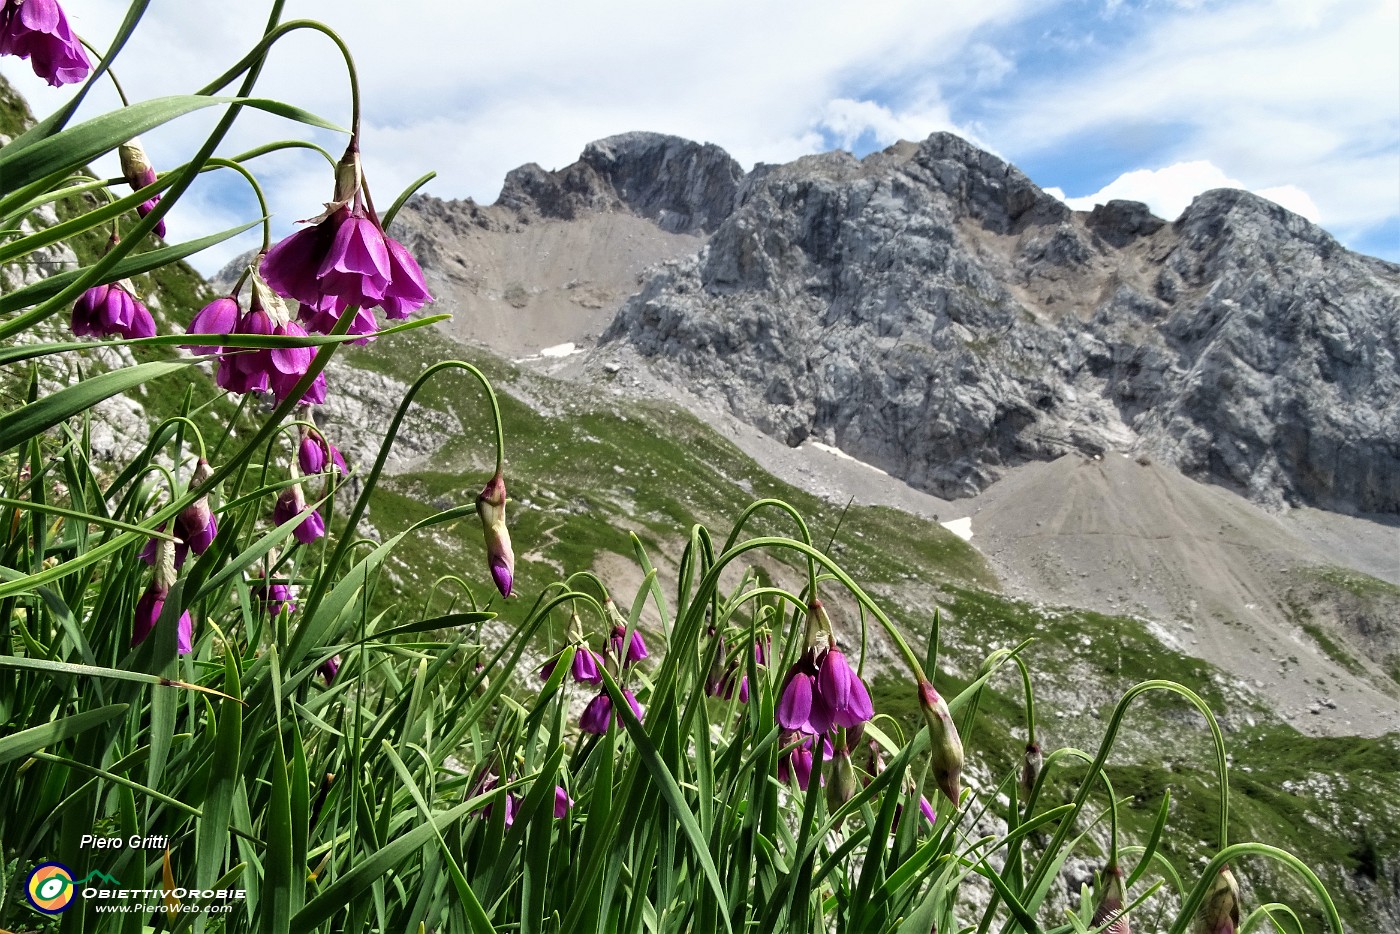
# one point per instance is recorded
(50, 888)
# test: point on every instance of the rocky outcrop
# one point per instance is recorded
(934, 313)
(683, 187)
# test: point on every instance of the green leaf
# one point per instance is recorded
(78, 145)
(671, 793)
(125, 268)
(359, 877)
(18, 745)
(213, 827)
(29, 420)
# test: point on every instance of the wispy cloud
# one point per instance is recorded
(1167, 191)
(1284, 95)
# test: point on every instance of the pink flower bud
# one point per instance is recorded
(1220, 912)
(1112, 897)
(945, 746)
(491, 508)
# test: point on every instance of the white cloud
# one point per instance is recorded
(474, 90)
(1291, 96)
(850, 120)
(1276, 93)
(1167, 191)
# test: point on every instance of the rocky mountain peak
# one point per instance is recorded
(933, 312)
(682, 186)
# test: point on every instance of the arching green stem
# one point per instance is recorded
(255, 57)
(280, 145)
(324, 580)
(462, 584)
(218, 161)
(801, 525)
(1228, 854)
(110, 73)
(1115, 722)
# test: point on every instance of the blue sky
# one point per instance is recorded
(1157, 100)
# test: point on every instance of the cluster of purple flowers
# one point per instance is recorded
(345, 260)
(823, 700)
(587, 668)
(562, 801)
(269, 369)
(725, 677)
(822, 691)
(112, 310)
(38, 30)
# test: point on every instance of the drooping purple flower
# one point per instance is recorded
(355, 270)
(599, 713)
(289, 365)
(584, 668)
(926, 809)
(636, 646)
(195, 525)
(244, 371)
(218, 317)
(290, 266)
(345, 260)
(330, 668)
(38, 30)
(274, 598)
(322, 322)
(152, 602)
(111, 311)
(291, 503)
(407, 291)
(512, 801)
(562, 802)
(796, 695)
(798, 762)
(138, 172)
(315, 453)
(841, 698)
(340, 262)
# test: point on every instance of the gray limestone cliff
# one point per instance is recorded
(684, 187)
(931, 311)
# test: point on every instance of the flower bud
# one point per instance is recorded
(218, 317)
(945, 746)
(842, 786)
(1030, 770)
(1112, 897)
(1220, 912)
(491, 507)
(138, 172)
(195, 524)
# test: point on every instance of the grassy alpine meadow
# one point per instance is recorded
(219, 715)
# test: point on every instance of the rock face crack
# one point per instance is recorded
(932, 312)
